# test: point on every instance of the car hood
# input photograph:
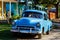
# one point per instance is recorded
(28, 21)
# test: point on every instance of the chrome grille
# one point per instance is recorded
(25, 27)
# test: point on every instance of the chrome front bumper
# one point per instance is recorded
(26, 31)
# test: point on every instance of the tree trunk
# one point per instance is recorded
(56, 5)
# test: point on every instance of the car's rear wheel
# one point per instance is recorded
(47, 33)
(43, 31)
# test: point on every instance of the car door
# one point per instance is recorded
(45, 22)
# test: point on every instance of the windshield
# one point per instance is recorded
(32, 14)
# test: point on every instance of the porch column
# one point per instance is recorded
(10, 8)
(2, 9)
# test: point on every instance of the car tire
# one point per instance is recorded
(47, 33)
(39, 36)
(43, 31)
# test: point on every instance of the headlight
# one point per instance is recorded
(14, 25)
(38, 25)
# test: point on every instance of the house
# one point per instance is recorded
(14, 6)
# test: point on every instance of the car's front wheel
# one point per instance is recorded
(39, 36)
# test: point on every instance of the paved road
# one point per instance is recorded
(54, 35)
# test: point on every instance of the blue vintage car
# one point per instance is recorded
(32, 22)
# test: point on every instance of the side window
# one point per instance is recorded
(45, 17)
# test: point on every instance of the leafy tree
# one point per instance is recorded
(49, 3)
(45, 2)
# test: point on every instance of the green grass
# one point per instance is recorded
(5, 33)
(5, 27)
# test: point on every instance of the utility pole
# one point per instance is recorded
(26, 4)
(17, 6)
(56, 5)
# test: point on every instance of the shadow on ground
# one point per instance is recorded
(7, 35)
(26, 36)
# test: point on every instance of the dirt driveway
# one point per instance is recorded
(5, 34)
(54, 35)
